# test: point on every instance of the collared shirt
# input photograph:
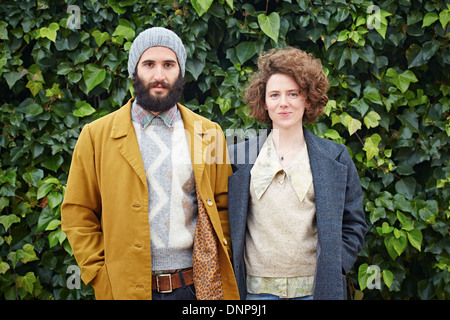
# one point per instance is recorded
(267, 166)
(144, 117)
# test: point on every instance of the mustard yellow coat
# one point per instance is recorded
(105, 209)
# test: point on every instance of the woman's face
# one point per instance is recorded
(284, 102)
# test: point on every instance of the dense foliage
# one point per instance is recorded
(63, 64)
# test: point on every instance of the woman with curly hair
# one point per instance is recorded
(295, 200)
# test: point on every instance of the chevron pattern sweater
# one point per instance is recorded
(171, 187)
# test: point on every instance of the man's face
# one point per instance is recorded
(158, 82)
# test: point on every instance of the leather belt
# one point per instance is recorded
(167, 282)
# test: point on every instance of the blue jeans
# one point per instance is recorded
(268, 296)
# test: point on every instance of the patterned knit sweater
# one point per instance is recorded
(171, 187)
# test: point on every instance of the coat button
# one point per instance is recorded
(209, 202)
(225, 242)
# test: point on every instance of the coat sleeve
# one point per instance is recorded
(354, 226)
(81, 209)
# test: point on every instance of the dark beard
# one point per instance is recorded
(155, 104)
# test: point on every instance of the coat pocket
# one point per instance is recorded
(102, 285)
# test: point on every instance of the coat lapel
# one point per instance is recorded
(243, 156)
(239, 185)
(329, 178)
(198, 138)
(123, 132)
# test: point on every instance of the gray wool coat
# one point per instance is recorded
(340, 217)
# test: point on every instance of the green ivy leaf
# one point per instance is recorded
(270, 25)
(8, 176)
(124, 30)
(11, 78)
(362, 276)
(406, 223)
(33, 176)
(4, 202)
(389, 244)
(418, 56)
(372, 94)
(371, 146)
(50, 32)
(444, 18)
(415, 238)
(377, 214)
(46, 216)
(8, 220)
(400, 242)
(201, 6)
(14, 257)
(403, 80)
(371, 119)
(35, 87)
(194, 67)
(3, 30)
(429, 19)
(352, 124)
(53, 163)
(224, 104)
(28, 253)
(406, 186)
(93, 76)
(55, 237)
(386, 228)
(33, 110)
(27, 282)
(100, 37)
(245, 51)
(64, 68)
(120, 6)
(4, 266)
(378, 21)
(54, 199)
(53, 225)
(43, 190)
(83, 109)
(388, 277)
(430, 209)
(332, 134)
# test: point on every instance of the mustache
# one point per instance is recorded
(153, 84)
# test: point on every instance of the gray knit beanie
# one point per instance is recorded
(156, 37)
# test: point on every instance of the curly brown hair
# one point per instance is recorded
(303, 67)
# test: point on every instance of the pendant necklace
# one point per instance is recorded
(282, 156)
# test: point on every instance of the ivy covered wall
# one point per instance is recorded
(63, 64)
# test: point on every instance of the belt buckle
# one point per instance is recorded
(170, 282)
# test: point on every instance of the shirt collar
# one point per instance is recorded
(144, 117)
(267, 165)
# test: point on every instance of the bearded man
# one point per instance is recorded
(145, 208)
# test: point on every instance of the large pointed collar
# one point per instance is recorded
(267, 166)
